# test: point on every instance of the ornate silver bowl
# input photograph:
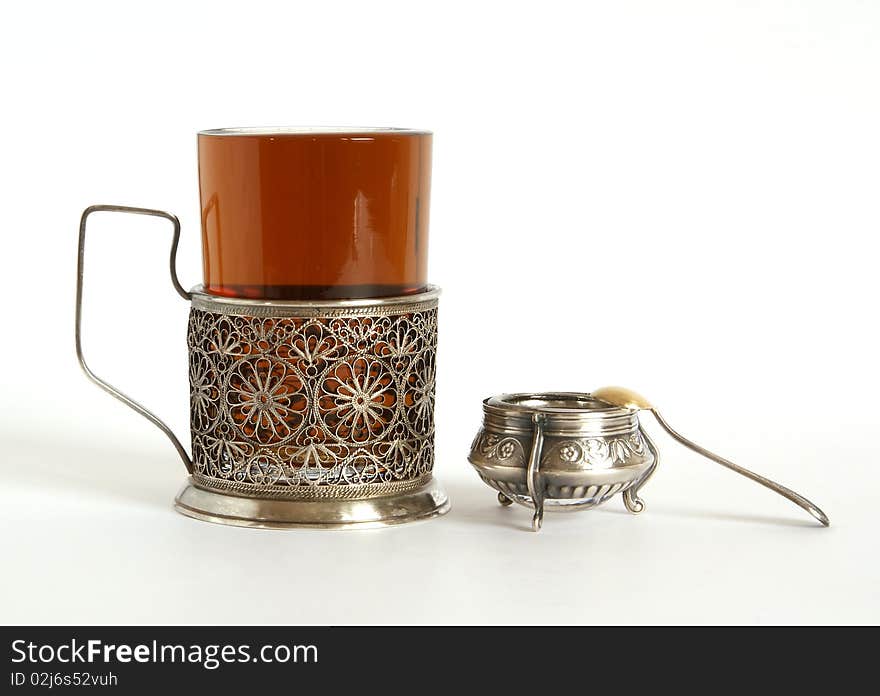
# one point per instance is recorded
(561, 451)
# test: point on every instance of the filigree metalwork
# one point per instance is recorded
(333, 403)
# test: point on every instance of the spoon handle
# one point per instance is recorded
(772, 485)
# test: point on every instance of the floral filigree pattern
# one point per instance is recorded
(263, 470)
(358, 399)
(282, 402)
(419, 397)
(224, 453)
(265, 399)
(312, 349)
(204, 392)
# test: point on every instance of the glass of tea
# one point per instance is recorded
(314, 213)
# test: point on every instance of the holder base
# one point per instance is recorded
(430, 500)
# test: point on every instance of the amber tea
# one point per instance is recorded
(304, 213)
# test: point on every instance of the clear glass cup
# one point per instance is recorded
(314, 213)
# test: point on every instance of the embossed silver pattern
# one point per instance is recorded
(339, 403)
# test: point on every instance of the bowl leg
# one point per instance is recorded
(631, 495)
(538, 519)
(504, 500)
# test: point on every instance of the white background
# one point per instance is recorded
(681, 197)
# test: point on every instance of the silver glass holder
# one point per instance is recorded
(302, 413)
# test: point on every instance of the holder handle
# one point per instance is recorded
(106, 386)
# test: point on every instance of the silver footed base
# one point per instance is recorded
(429, 500)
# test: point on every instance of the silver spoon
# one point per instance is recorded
(628, 399)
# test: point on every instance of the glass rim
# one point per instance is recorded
(201, 298)
(285, 131)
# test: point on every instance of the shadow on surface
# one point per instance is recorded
(64, 462)
(691, 513)
(475, 503)
(111, 470)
